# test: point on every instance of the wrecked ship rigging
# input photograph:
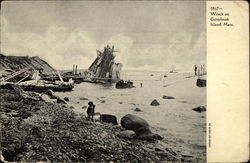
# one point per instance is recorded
(104, 68)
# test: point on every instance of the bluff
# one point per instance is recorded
(14, 63)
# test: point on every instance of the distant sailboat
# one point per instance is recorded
(172, 70)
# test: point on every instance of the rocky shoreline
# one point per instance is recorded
(36, 130)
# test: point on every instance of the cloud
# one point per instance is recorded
(58, 46)
(177, 51)
(123, 44)
(62, 47)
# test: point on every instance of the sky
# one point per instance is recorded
(150, 35)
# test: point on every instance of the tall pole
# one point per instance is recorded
(76, 70)
(73, 70)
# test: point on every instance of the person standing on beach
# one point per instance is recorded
(141, 85)
(91, 111)
(195, 70)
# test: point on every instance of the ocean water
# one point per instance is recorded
(183, 129)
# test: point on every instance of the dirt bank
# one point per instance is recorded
(35, 130)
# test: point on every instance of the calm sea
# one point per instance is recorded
(183, 129)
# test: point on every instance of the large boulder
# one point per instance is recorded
(133, 122)
(139, 126)
(155, 103)
(107, 118)
(136, 124)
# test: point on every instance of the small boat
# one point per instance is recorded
(124, 84)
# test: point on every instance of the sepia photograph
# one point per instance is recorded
(103, 81)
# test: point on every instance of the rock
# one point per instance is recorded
(84, 107)
(149, 137)
(83, 98)
(103, 101)
(136, 124)
(201, 83)
(51, 94)
(139, 126)
(155, 103)
(187, 158)
(61, 101)
(126, 134)
(167, 97)
(167, 156)
(132, 122)
(66, 98)
(46, 98)
(137, 110)
(107, 118)
(200, 109)
(24, 94)
(97, 113)
(120, 102)
(71, 107)
(159, 149)
(37, 131)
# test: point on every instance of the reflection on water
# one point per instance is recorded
(182, 128)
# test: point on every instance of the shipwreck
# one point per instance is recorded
(104, 68)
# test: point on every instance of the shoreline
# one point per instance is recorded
(35, 130)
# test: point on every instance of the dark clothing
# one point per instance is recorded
(195, 70)
(91, 111)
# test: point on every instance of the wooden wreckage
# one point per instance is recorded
(35, 84)
(104, 69)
